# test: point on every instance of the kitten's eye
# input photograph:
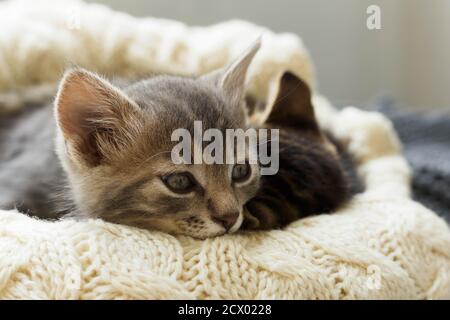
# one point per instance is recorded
(179, 182)
(241, 172)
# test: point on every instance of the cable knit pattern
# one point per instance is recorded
(380, 245)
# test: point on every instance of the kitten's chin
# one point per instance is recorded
(211, 231)
(203, 234)
(207, 236)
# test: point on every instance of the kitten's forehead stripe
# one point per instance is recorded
(180, 101)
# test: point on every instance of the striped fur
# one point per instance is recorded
(114, 150)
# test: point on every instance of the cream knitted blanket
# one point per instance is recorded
(380, 245)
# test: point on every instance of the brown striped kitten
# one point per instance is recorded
(315, 174)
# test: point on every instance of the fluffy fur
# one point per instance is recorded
(115, 148)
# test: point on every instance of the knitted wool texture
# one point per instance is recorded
(380, 245)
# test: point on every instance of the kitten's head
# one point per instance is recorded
(115, 145)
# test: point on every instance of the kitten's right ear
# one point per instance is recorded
(94, 118)
(231, 79)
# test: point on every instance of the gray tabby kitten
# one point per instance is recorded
(113, 153)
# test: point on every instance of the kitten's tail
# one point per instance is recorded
(14, 100)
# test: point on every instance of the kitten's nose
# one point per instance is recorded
(228, 220)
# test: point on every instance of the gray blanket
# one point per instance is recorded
(426, 143)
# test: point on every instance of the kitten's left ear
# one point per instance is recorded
(232, 79)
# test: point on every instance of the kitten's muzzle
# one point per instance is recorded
(228, 220)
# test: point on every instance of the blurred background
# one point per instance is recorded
(407, 60)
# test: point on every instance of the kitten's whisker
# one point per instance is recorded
(265, 142)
